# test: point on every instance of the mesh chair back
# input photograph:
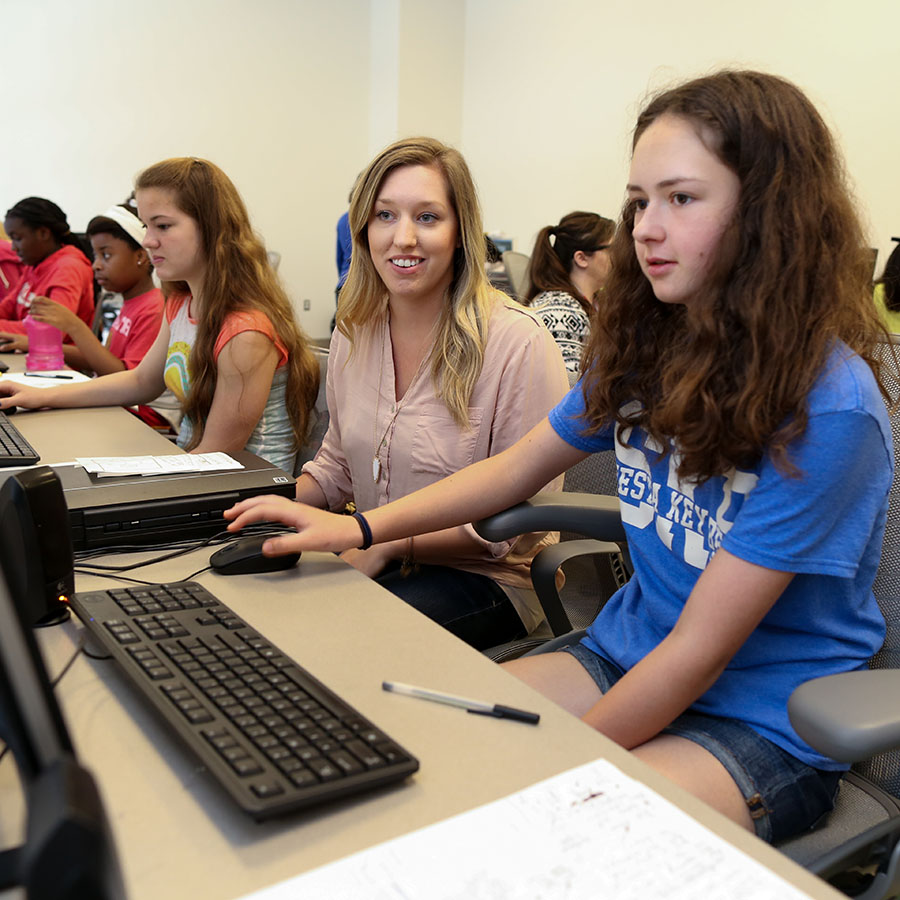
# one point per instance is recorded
(884, 769)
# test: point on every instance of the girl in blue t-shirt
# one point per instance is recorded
(731, 369)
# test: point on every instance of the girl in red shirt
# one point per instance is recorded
(56, 266)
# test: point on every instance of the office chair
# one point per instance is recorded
(593, 569)
(854, 716)
(106, 308)
(318, 420)
(516, 265)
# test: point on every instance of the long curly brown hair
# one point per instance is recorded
(728, 379)
(238, 277)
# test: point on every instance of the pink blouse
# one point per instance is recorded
(522, 378)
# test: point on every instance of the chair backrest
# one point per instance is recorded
(517, 271)
(591, 580)
(597, 473)
(106, 309)
(884, 769)
(318, 423)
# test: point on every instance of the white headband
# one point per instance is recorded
(128, 222)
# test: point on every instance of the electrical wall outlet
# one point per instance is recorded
(306, 305)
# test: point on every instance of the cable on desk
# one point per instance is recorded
(176, 548)
(113, 575)
(180, 549)
(99, 570)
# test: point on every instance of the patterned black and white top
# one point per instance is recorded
(567, 321)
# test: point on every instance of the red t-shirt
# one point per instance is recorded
(64, 276)
(136, 327)
(10, 267)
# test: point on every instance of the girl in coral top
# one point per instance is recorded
(228, 347)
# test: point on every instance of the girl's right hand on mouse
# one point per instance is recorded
(13, 394)
(316, 529)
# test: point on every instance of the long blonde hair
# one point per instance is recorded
(458, 350)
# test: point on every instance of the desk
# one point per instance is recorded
(59, 435)
(179, 837)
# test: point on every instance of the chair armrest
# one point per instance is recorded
(593, 515)
(851, 716)
(543, 577)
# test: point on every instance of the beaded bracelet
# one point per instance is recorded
(364, 528)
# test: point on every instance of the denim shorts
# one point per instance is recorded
(785, 796)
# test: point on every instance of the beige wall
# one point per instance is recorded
(552, 91)
(292, 97)
(273, 91)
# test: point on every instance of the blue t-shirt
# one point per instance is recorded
(344, 248)
(826, 525)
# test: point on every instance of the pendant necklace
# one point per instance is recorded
(377, 467)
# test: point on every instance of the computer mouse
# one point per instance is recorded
(245, 557)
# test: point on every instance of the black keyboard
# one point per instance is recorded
(273, 736)
(14, 449)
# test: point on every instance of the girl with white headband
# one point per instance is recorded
(121, 266)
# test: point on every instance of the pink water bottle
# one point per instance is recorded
(44, 346)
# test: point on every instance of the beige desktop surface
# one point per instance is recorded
(59, 435)
(179, 836)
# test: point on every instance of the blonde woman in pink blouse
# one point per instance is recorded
(430, 370)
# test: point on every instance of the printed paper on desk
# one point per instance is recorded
(108, 466)
(46, 379)
(589, 833)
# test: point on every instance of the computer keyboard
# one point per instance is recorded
(14, 449)
(274, 736)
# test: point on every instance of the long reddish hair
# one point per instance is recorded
(238, 277)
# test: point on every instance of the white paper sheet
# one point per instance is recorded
(587, 834)
(46, 379)
(107, 466)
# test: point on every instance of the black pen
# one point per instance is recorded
(39, 375)
(473, 706)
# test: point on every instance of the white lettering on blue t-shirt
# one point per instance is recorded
(684, 524)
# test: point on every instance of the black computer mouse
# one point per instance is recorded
(245, 557)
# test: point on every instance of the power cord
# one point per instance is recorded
(177, 548)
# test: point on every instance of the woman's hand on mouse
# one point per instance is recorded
(316, 529)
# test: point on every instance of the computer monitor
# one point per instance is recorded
(68, 852)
